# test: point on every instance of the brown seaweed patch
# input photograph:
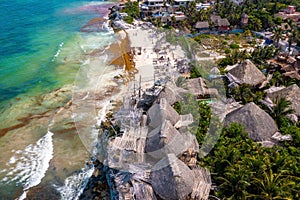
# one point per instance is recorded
(95, 24)
(65, 130)
(24, 121)
(122, 53)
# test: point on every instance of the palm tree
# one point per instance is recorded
(277, 35)
(293, 36)
(273, 186)
(280, 110)
(243, 93)
(277, 79)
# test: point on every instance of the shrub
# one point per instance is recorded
(227, 51)
(234, 46)
(225, 42)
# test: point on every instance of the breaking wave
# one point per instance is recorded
(75, 184)
(28, 166)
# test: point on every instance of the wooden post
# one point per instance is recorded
(140, 87)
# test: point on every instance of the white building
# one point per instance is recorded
(204, 6)
(178, 3)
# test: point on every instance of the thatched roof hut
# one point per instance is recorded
(127, 149)
(162, 111)
(290, 93)
(174, 180)
(293, 75)
(184, 120)
(143, 191)
(214, 18)
(202, 25)
(131, 184)
(248, 73)
(198, 87)
(257, 122)
(170, 94)
(222, 22)
(166, 139)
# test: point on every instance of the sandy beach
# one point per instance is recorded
(154, 57)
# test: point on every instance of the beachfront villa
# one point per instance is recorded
(204, 6)
(202, 27)
(220, 24)
(178, 3)
(289, 13)
(150, 7)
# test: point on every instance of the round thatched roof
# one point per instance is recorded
(166, 139)
(248, 73)
(162, 111)
(170, 94)
(174, 181)
(259, 124)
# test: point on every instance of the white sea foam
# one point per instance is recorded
(86, 96)
(102, 112)
(23, 196)
(29, 166)
(12, 160)
(58, 51)
(75, 184)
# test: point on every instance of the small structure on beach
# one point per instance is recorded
(289, 13)
(220, 24)
(162, 110)
(128, 148)
(155, 160)
(259, 124)
(247, 73)
(177, 182)
(166, 139)
(202, 27)
(197, 87)
(170, 93)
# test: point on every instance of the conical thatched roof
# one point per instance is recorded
(202, 25)
(166, 139)
(170, 94)
(174, 180)
(127, 149)
(158, 138)
(198, 87)
(222, 22)
(257, 122)
(161, 111)
(290, 93)
(248, 73)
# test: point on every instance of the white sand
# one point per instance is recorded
(147, 40)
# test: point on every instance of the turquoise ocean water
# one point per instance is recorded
(41, 49)
(31, 34)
